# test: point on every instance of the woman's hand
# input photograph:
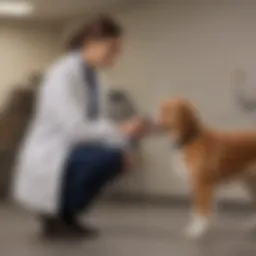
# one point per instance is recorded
(135, 128)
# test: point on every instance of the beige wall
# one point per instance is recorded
(188, 50)
(25, 48)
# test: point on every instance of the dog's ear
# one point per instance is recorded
(190, 124)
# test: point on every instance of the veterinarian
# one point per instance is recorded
(72, 149)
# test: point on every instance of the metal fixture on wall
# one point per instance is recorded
(121, 106)
(246, 102)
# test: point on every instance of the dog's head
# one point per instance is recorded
(179, 118)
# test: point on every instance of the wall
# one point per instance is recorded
(25, 48)
(190, 49)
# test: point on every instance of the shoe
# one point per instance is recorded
(83, 230)
(54, 228)
(59, 228)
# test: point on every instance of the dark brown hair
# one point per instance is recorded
(101, 27)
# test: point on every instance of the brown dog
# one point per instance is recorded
(211, 157)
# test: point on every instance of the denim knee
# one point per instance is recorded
(115, 156)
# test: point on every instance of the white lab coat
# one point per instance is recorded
(59, 124)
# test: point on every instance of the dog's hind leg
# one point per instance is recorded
(250, 185)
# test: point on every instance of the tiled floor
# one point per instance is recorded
(128, 230)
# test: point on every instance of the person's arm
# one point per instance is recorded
(61, 96)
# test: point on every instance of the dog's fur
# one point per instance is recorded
(212, 157)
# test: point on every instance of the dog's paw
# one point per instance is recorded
(195, 232)
(197, 229)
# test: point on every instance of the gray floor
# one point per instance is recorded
(128, 230)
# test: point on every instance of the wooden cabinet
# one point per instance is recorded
(13, 124)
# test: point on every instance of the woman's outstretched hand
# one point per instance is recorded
(135, 128)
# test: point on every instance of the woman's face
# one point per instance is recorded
(104, 53)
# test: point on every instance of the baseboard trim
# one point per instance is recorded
(175, 200)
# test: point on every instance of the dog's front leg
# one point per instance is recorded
(200, 222)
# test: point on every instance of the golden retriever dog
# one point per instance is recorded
(211, 157)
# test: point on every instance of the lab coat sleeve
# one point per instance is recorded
(62, 99)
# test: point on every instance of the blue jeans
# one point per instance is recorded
(88, 170)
